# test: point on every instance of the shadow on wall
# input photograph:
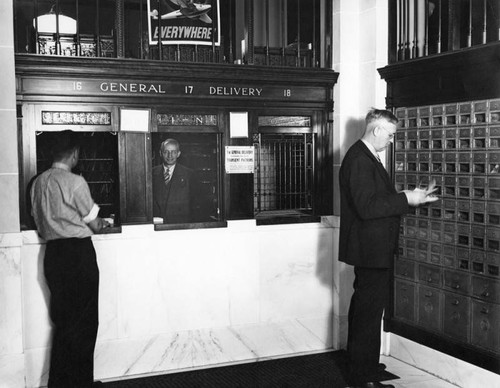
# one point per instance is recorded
(324, 272)
(354, 130)
(46, 297)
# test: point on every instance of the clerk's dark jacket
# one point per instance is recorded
(370, 210)
(173, 201)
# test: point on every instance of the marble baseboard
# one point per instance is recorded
(453, 370)
(12, 371)
(194, 349)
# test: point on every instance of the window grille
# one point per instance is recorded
(283, 179)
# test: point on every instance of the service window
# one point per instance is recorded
(186, 178)
(97, 164)
(98, 160)
(285, 167)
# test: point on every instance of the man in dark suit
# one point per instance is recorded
(369, 229)
(172, 186)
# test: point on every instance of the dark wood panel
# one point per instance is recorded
(446, 344)
(135, 177)
(45, 66)
(469, 74)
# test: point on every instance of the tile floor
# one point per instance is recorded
(411, 377)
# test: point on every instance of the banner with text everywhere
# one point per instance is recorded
(184, 22)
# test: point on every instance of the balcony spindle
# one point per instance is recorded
(58, 35)
(267, 31)
(78, 50)
(469, 32)
(214, 33)
(484, 20)
(415, 30)
(426, 32)
(403, 27)
(400, 31)
(314, 37)
(119, 25)
(440, 23)
(407, 24)
(283, 31)
(231, 33)
(160, 46)
(297, 62)
(97, 29)
(141, 40)
(35, 12)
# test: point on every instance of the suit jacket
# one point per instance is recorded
(173, 202)
(370, 210)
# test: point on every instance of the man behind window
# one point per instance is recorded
(172, 186)
(370, 211)
(66, 216)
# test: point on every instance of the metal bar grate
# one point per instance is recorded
(283, 177)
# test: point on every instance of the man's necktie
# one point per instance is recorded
(166, 175)
(378, 158)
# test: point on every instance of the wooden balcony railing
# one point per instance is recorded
(295, 33)
(418, 28)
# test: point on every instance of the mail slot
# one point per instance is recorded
(485, 323)
(435, 253)
(493, 239)
(463, 235)
(478, 260)
(465, 107)
(479, 187)
(456, 316)
(492, 264)
(464, 138)
(478, 212)
(429, 274)
(429, 308)
(450, 139)
(400, 141)
(437, 139)
(493, 188)
(449, 188)
(464, 186)
(479, 138)
(449, 232)
(464, 162)
(493, 213)
(449, 256)
(463, 211)
(493, 162)
(423, 162)
(486, 289)
(450, 159)
(494, 136)
(457, 281)
(451, 119)
(404, 300)
(478, 233)
(449, 210)
(404, 269)
(463, 257)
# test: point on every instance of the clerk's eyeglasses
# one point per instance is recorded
(390, 134)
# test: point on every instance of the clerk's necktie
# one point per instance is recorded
(166, 175)
(378, 158)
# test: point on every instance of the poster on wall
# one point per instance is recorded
(184, 22)
(240, 159)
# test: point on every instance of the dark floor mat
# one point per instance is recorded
(311, 371)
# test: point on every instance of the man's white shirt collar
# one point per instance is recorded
(371, 148)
